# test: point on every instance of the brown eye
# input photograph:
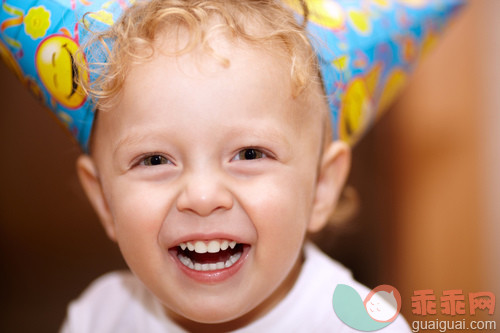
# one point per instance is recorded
(155, 160)
(249, 154)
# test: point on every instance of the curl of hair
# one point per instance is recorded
(131, 40)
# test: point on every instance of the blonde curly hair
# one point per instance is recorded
(264, 23)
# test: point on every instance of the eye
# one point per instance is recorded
(249, 154)
(155, 160)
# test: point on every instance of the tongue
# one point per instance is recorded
(209, 258)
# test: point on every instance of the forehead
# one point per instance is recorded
(234, 82)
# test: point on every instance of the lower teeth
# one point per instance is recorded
(209, 267)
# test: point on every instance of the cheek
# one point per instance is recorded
(279, 201)
(290, 196)
(138, 213)
(280, 209)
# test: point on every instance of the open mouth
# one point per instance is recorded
(209, 255)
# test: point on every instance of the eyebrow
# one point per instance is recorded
(258, 133)
(130, 139)
(265, 134)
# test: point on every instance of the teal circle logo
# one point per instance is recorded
(380, 308)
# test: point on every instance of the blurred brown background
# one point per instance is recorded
(427, 177)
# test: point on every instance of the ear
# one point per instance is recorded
(89, 178)
(333, 171)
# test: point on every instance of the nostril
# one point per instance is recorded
(204, 198)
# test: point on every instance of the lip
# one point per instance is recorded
(215, 276)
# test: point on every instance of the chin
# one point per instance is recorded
(210, 313)
(213, 316)
(219, 318)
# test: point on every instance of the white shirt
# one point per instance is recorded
(118, 302)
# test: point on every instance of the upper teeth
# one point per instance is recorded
(212, 246)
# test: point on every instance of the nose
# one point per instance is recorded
(204, 193)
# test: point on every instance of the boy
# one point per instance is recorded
(212, 154)
(210, 161)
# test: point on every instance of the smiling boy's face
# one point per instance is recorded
(203, 158)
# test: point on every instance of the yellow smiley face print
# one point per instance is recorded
(56, 65)
(355, 111)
